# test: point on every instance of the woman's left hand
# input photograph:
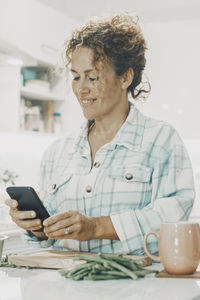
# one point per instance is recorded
(70, 225)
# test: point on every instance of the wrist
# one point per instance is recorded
(104, 228)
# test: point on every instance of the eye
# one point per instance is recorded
(76, 78)
(93, 78)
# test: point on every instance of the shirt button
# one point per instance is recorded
(53, 186)
(129, 176)
(88, 189)
(97, 164)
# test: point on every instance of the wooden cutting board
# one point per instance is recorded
(59, 259)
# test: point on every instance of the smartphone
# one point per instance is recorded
(28, 199)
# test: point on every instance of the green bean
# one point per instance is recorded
(117, 273)
(107, 266)
(80, 267)
(117, 258)
(99, 267)
(111, 264)
(80, 275)
(126, 262)
(123, 269)
(104, 267)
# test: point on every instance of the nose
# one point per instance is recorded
(84, 88)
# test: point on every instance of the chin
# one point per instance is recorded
(88, 116)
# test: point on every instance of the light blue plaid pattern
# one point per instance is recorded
(144, 178)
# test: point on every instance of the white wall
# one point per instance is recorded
(173, 64)
(34, 28)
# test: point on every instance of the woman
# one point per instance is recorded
(123, 173)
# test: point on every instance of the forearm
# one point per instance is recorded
(104, 229)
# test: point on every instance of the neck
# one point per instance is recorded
(110, 126)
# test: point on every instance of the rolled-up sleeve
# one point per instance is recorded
(171, 201)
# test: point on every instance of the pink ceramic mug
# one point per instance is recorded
(178, 246)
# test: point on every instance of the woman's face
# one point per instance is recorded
(99, 93)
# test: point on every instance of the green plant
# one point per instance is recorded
(7, 177)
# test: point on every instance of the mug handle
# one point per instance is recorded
(154, 257)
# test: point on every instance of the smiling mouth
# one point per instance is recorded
(87, 101)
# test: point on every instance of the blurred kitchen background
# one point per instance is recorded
(36, 104)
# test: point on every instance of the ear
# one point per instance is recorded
(127, 78)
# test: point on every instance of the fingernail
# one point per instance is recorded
(13, 204)
(45, 223)
(38, 222)
(32, 214)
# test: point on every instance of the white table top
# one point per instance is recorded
(18, 284)
(37, 284)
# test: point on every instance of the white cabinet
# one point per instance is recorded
(42, 95)
(31, 107)
(36, 95)
(33, 28)
(35, 33)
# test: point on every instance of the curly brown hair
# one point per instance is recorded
(118, 41)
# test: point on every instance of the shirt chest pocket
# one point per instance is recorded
(130, 178)
(58, 184)
(62, 192)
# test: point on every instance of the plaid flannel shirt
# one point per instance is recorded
(141, 178)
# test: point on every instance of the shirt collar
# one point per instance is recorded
(130, 134)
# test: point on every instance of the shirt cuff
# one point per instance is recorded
(30, 238)
(128, 231)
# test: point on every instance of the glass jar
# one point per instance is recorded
(57, 123)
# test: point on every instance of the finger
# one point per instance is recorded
(61, 233)
(59, 225)
(28, 225)
(21, 215)
(11, 202)
(57, 217)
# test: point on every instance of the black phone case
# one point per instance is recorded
(28, 199)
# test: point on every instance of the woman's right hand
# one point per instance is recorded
(19, 216)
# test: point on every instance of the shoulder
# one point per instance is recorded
(161, 133)
(61, 146)
(158, 125)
